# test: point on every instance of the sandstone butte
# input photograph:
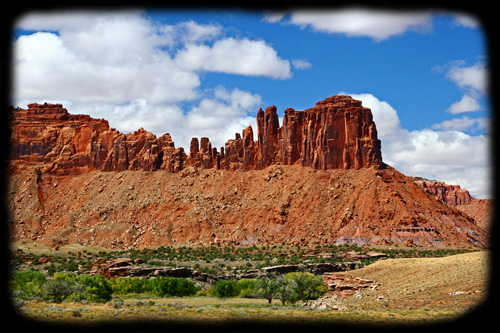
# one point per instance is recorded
(317, 179)
(337, 133)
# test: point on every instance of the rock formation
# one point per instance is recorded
(451, 195)
(59, 194)
(72, 144)
(337, 133)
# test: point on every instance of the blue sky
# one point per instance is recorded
(206, 73)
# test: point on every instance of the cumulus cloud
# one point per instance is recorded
(465, 104)
(465, 20)
(463, 124)
(378, 25)
(235, 56)
(442, 152)
(471, 80)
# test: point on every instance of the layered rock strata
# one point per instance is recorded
(337, 133)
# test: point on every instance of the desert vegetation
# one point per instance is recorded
(58, 284)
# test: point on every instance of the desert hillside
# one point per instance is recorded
(292, 204)
(457, 281)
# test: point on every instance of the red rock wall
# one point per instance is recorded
(451, 195)
(69, 144)
(337, 133)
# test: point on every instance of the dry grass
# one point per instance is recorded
(424, 283)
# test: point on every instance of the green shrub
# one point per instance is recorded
(128, 285)
(28, 284)
(226, 288)
(170, 286)
(96, 288)
(60, 287)
(247, 288)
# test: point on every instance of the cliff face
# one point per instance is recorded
(72, 144)
(451, 195)
(337, 133)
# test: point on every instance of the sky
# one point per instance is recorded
(206, 73)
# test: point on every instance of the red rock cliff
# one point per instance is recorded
(337, 133)
(65, 144)
(451, 195)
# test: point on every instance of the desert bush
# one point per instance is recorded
(170, 286)
(226, 288)
(28, 284)
(247, 288)
(60, 287)
(77, 288)
(128, 285)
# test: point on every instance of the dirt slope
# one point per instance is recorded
(292, 204)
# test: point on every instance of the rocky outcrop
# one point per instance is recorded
(337, 133)
(451, 195)
(344, 285)
(72, 144)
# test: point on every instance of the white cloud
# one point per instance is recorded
(464, 123)
(466, 104)
(112, 61)
(472, 78)
(235, 56)
(273, 17)
(192, 32)
(301, 64)
(447, 155)
(375, 24)
(465, 20)
(222, 114)
(121, 57)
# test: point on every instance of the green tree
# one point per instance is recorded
(28, 284)
(286, 293)
(306, 285)
(226, 288)
(247, 288)
(268, 288)
(170, 286)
